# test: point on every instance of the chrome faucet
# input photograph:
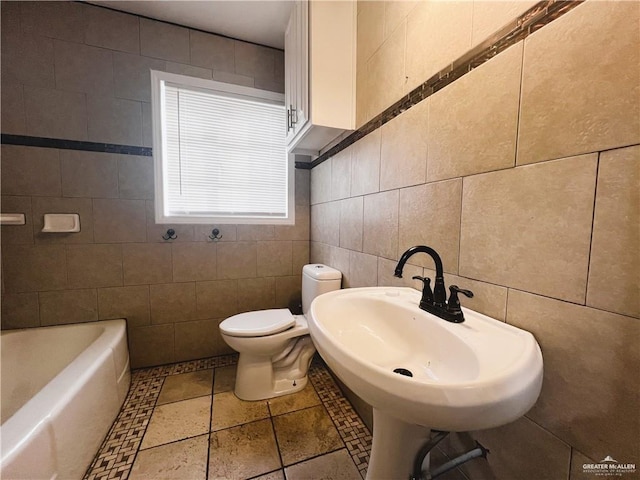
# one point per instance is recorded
(436, 302)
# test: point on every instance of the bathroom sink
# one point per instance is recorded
(421, 369)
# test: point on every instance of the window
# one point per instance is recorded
(219, 153)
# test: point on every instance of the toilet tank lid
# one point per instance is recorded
(258, 324)
(319, 271)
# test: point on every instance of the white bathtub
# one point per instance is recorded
(62, 388)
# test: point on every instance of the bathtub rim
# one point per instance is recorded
(33, 417)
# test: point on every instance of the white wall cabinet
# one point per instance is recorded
(320, 73)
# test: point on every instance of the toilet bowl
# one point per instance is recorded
(274, 345)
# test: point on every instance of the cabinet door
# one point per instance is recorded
(296, 53)
(290, 71)
(291, 60)
(302, 81)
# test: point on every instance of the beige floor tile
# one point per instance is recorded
(296, 401)
(224, 379)
(229, 411)
(243, 452)
(305, 434)
(278, 475)
(179, 460)
(186, 386)
(176, 421)
(333, 466)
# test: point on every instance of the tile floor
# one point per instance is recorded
(182, 421)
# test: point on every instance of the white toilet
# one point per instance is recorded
(274, 345)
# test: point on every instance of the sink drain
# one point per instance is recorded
(403, 371)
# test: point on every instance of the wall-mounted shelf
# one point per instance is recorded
(61, 223)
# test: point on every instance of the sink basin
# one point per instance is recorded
(479, 374)
(474, 375)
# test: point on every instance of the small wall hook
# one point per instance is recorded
(170, 235)
(215, 235)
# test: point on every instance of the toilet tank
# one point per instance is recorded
(316, 280)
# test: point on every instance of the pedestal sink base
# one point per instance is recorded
(395, 446)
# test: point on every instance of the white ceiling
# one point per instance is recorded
(257, 21)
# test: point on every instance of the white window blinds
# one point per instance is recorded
(223, 155)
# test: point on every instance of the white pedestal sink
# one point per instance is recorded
(474, 375)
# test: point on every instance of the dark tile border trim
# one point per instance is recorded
(63, 144)
(43, 142)
(303, 165)
(115, 457)
(532, 20)
(541, 14)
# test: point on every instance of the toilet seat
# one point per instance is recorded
(258, 324)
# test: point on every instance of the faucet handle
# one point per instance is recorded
(427, 294)
(453, 305)
(456, 289)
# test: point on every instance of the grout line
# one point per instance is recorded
(213, 381)
(570, 462)
(32, 219)
(519, 115)
(296, 410)
(318, 456)
(231, 427)
(593, 224)
(86, 109)
(122, 273)
(275, 437)
(178, 440)
(570, 302)
(66, 267)
(39, 309)
(545, 429)
(139, 33)
(460, 226)
(448, 457)
(183, 399)
(260, 475)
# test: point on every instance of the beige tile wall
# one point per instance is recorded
(401, 43)
(523, 174)
(79, 72)
(93, 64)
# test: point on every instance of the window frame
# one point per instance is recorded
(158, 80)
